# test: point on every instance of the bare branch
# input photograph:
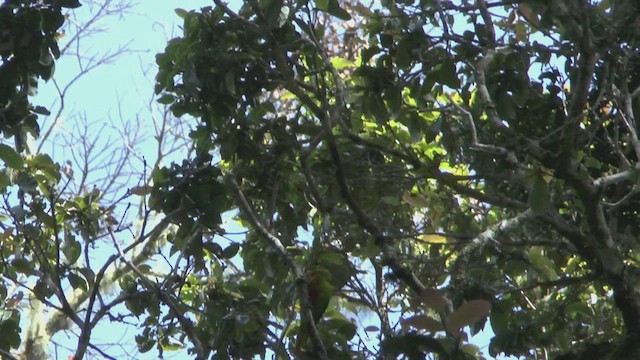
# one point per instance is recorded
(187, 325)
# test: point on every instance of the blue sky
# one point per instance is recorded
(144, 29)
(120, 89)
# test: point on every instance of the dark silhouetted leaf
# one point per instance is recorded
(10, 157)
(539, 197)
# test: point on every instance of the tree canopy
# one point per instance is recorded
(430, 168)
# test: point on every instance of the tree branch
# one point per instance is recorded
(301, 281)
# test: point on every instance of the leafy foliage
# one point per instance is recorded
(481, 149)
(28, 49)
(453, 165)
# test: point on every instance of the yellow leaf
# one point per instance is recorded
(416, 200)
(340, 63)
(434, 239)
(459, 170)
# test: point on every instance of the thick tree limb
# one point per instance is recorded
(489, 236)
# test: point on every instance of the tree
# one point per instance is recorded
(452, 164)
(69, 191)
(446, 156)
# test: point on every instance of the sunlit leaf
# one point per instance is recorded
(542, 263)
(10, 157)
(415, 200)
(434, 238)
(341, 64)
(181, 12)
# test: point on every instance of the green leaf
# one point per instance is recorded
(470, 349)
(77, 281)
(167, 345)
(26, 182)
(142, 190)
(182, 13)
(277, 13)
(505, 106)
(342, 326)
(542, 263)
(230, 82)
(578, 310)
(89, 275)
(145, 344)
(23, 265)
(333, 8)
(415, 200)
(10, 331)
(71, 250)
(340, 63)
(376, 107)
(32, 86)
(500, 318)
(5, 181)
(322, 5)
(41, 110)
(5, 315)
(42, 290)
(410, 344)
(422, 322)
(46, 59)
(71, 4)
(434, 239)
(445, 73)
(404, 53)
(539, 196)
(393, 96)
(230, 251)
(11, 157)
(213, 248)
(47, 167)
(166, 99)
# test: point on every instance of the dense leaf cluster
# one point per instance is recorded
(446, 166)
(415, 141)
(28, 49)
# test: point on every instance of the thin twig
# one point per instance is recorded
(187, 324)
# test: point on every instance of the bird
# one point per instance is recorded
(320, 292)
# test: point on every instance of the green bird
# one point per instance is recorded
(320, 292)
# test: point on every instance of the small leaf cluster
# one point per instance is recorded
(29, 33)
